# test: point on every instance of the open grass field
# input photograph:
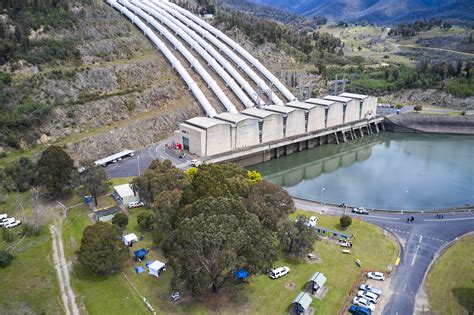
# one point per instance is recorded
(450, 284)
(107, 295)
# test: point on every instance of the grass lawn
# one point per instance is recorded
(339, 268)
(29, 284)
(450, 284)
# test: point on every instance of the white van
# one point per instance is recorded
(6, 221)
(279, 272)
(3, 216)
(135, 204)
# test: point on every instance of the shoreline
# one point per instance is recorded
(423, 123)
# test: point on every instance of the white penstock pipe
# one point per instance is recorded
(229, 81)
(174, 23)
(210, 111)
(186, 54)
(238, 48)
(223, 47)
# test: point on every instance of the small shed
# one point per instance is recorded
(105, 215)
(317, 281)
(156, 267)
(301, 303)
(124, 194)
(129, 239)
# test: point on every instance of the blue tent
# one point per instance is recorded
(241, 274)
(139, 269)
(140, 254)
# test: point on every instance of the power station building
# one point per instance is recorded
(253, 127)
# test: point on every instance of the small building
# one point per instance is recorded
(293, 119)
(124, 194)
(317, 281)
(350, 107)
(205, 136)
(156, 267)
(129, 239)
(270, 123)
(314, 115)
(333, 111)
(367, 104)
(105, 215)
(244, 131)
(301, 303)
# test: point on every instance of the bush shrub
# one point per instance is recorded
(5, 259)
(345, 221)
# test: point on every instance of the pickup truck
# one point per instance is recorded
(369, 288)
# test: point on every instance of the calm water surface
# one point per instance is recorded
(383, 171)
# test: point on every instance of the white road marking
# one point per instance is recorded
(404, 289)
(441, 220)
(414, 257)
(421, 237)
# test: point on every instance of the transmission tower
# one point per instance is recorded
(309, 92)
(336, 83)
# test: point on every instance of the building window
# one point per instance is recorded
(326, 111)
(306, 117)
(284, 126)
(360, 109)
(260, 131)
(344, 108)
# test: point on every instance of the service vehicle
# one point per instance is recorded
(369, 288)
(13, 224)
(376, 275)
(368, 296)
(360, 210)
(135, 204)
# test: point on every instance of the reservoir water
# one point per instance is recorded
(384, 171)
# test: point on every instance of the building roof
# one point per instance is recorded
(232, 117)
(338, 98)
(301, 105)
(108, 211)
(318, 278)
(353, 95)
(257, 112)
(280, 109)
(319, 101)
(124, 190)
(303, 299)
(204, 122)
(113, 157)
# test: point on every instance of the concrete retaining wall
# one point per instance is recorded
(430, 123)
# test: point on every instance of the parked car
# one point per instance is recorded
(312, 221)
(13, 224)
(279, 272)
(359, 310)
(345, 244)
(360, 210)
(135, 204)
(4, 222)
(371, 297)
(195, 163)
(364, 303)
(376, 275)
(175, 296)
(369, 288)
(3, 216)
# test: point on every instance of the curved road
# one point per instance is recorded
(421, 240)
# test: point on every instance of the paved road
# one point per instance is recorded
(421, 240)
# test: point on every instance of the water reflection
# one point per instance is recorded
(376, 171)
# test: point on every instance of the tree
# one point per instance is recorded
(19, 175)
(345, 221)
(254, 176)
(94, 180)
(297, 238)
(102, 249)
(211, 242)
(145, 220)
(55, 170)
(417, 108)
(5, 259)
(386, 74)
(120, 220)
(395, 74)
(38, 211)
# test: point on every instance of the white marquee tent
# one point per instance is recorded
(129, 239)
(156, 267)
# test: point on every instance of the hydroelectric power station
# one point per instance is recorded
(261, 119)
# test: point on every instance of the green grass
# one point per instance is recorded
(29, 284)
(450, 284)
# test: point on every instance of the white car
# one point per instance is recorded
(279, 272)
(345, 244)
(312, 221)
(360, 210)
(376, 276)
(135, 204)
(13, 224)
(364, 303)
(3, 216)
(369, 288)
(4, 222)
(369, 296)
(195, 163)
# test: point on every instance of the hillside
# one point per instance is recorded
(380, 11)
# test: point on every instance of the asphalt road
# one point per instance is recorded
(421, 240)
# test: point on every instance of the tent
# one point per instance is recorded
(241, 274)
(129, 239)
(302, 302)
(139, 269)
(140, 254)
(156, 267)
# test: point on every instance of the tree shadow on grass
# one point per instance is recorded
(465, 297)
(82, 273)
